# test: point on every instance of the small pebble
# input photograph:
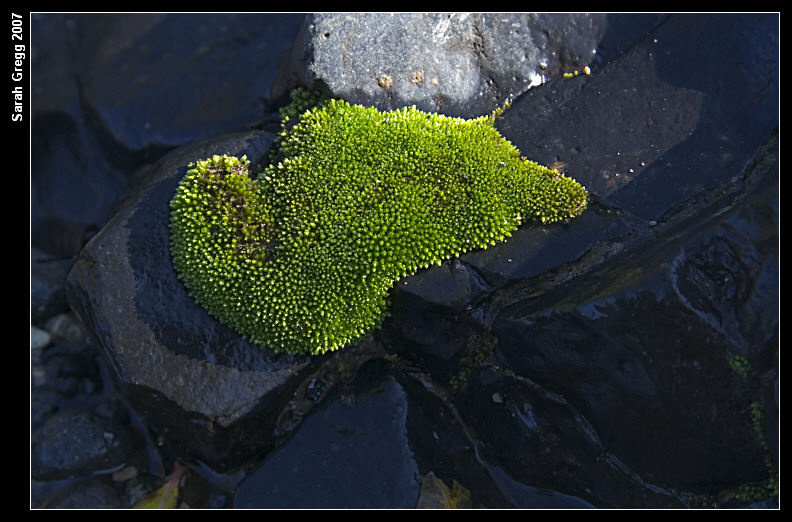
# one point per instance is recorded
(124, 474)
(38, 338)
(64, 328)
(38, 376)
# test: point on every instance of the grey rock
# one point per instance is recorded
(64, 328)
(75, 443)
(460, 64)
(39, 338)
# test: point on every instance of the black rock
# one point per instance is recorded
(184, 372)
(114, 91)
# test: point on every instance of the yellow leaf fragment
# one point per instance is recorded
(436, 495)
(166, 496)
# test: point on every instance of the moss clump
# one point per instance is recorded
(300, 256)
(740, 364)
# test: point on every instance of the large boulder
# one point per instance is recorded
(459, 64)
(185, 373)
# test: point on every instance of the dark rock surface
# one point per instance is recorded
(101, 445)
(185, 372)
(113, 92)
(350, 442)
(590, 364)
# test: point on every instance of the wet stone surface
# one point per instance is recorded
(627, 359)
(102, 446)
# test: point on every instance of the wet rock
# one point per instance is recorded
(641, 345)
(630, 351)
(63, 239)
(358, 457)
(94, 493)
(536, 437)
(116, 91)
(675, 108)
(195, 82)
(41, 409)
(71, 372)
(77, 443)
(159, 55)
(373, 443)
(47, 285)
(459, 64)
(185, 373)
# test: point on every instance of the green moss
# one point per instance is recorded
(300, 101)
(300, 256)
(757, 420)
(759, 491)
(768, 487)
(740, 364)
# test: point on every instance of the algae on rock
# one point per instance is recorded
(300, 256)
